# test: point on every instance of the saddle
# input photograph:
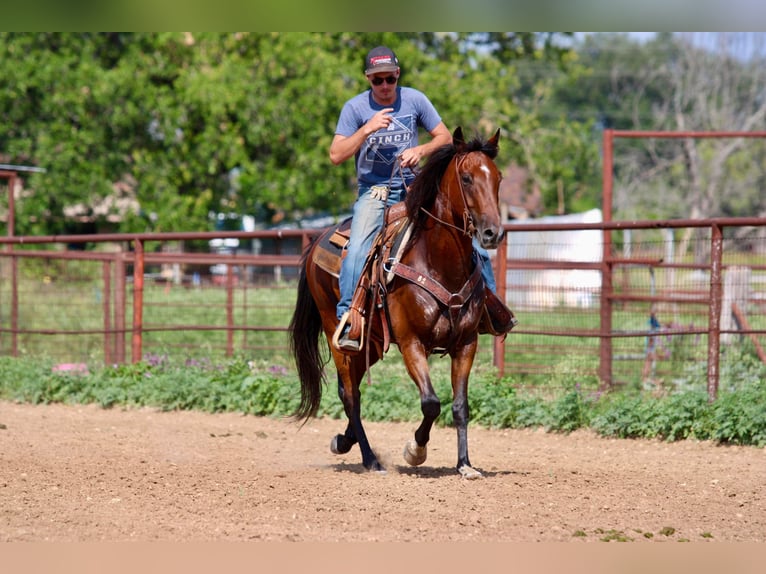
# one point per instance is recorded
(367, 300)
(330, 250)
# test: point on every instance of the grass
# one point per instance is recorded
(264, 388)
(184, 366)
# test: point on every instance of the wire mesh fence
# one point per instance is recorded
(638, 304)
(646, 295)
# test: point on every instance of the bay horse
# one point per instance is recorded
(453, 198)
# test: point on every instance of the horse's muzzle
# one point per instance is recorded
(489, 237)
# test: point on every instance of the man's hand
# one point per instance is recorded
(379, 121)
(411, 157)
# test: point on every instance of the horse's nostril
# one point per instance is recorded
(490, 237)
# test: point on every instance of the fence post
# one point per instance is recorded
(229, 310)
(714, 319)
(501, 269)
(14, 305)
(106, 273)
(11, 226)
(120, 303)
(605, 305)
(138, 299)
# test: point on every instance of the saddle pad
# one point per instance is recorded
(329, 250)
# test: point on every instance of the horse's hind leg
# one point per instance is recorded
(350, 396)
(342, 443)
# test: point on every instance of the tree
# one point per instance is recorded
(693, 82)
(679, 82)
(183, 125)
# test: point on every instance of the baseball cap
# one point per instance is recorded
(380, 59)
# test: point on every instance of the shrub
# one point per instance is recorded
(264, 389)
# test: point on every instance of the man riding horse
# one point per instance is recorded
(379, 128)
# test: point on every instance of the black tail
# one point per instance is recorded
(305, 329)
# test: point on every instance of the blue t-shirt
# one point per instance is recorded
(375, 160)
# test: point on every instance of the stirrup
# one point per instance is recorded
(340, 339)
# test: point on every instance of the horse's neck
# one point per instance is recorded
(448, 249)
(451, 224)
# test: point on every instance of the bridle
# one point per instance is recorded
(468, 228)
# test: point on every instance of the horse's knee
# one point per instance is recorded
(431, 407)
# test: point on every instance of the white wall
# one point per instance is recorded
(555, 287)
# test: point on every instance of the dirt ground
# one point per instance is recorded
(81, 474)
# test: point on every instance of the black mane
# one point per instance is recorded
(425, 186)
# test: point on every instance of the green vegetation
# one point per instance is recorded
(267, 389)
(186, 369)
(163, 129)
(179, 125)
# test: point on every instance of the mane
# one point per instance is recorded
(425, 186)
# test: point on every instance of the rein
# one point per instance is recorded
(398, 165)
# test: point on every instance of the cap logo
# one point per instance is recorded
(378, 60)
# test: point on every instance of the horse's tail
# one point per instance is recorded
(305, 329)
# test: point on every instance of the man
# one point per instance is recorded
(379, 128)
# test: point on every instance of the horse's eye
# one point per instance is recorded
(466, 178)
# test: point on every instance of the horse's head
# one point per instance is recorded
(477, 179)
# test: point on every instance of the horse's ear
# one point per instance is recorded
(457, 137)
(494, 139)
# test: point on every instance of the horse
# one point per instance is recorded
(453, 198)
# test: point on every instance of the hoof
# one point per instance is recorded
(377, 468)
(415, 455)
(469, 473)
(340, 444)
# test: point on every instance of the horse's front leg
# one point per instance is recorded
(462, 361)
(416, 361)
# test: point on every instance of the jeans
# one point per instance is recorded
(367, 221)
(487, 273)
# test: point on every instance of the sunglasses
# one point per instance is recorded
(389, 80)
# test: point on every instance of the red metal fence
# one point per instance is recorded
(649, 315)
(645, 318)
(127, 288)
(635, 313)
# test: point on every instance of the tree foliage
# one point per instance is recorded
(678, 83)
(178, 126)
(169, 128)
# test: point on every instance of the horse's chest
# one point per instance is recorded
(443, 323)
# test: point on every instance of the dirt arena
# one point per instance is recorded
(81, 474)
